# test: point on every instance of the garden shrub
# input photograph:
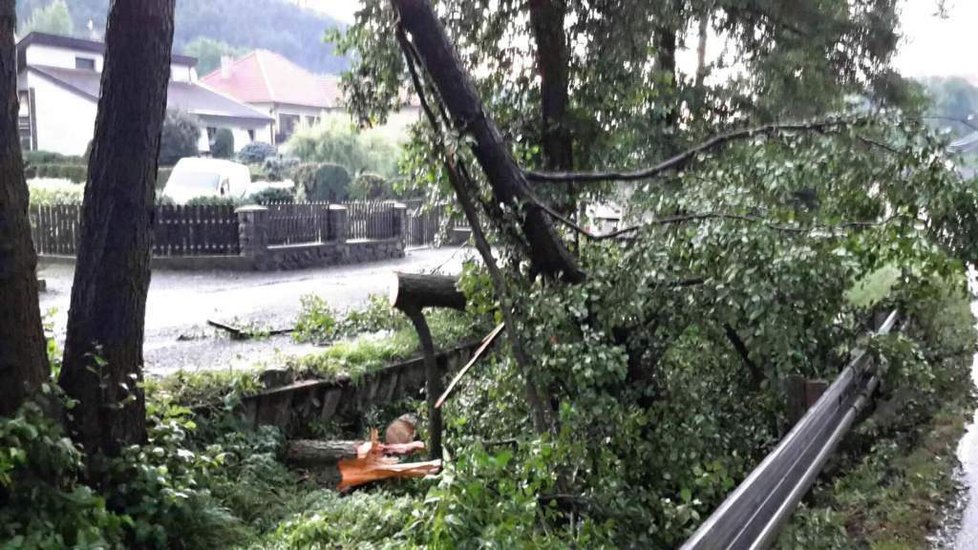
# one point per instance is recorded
(179, 138)
(223, 146)
(369, 186)
(256, 152)
(52, 192)
(279, 168)
(37, 158)
(271, 195)
(76, 173)
(322, 182)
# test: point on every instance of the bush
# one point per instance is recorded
(77, 173)
(337, 140)
(271, 195)
(369, 186)
(223, 147)
(256, 152)
(212, 201)
(36, 158)
(51, 192)
(279, 168)
(179, 138)
(322, 182)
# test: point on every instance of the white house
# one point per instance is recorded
(59, 81)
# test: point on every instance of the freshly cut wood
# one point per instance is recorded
(371, 464)
(415, 291)
(311, 452)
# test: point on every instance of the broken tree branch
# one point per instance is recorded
(542, 419)
(549, 254)
(486, 342)
(756, 375)
(683, 159)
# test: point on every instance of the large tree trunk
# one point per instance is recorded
(23, 354)
(553, 66)
(550, 255)
(104, 347)
(666, 44)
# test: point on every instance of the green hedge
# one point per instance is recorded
(77, 173)
(322, 182)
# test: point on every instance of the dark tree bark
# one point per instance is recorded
(412, 294)
(104, 347)
(418, 291)
(549, 254)
(553, 65)
(666, 44)
(23, 353)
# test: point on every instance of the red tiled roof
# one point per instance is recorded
(267, 77)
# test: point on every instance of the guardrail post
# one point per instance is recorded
(253, 232)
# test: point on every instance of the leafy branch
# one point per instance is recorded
(680, 161)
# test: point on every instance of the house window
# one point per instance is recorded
(85, 63)
(251, 135)
(211, 134)
(312, 120)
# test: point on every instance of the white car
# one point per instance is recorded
(202, 177)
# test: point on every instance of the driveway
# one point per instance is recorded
(180, 304)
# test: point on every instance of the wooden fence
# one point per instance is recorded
(196, 231)
(179, 230)
(55, 228)
(213, 230)
(299, 223)
(370, 220)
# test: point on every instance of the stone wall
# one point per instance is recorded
(291, 406)
(257, 255)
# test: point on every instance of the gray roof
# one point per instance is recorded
(182, 96)
(80, 44)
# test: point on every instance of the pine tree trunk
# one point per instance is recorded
(23, 354)
(104, 347)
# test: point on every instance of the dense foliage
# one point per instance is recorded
(256, 152)
(181, 134)
(241, 24)
(322, 182)
(336, 140)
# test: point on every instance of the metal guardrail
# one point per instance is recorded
(754, 514)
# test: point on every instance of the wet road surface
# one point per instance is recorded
(180, 304)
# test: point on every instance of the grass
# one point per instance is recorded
(894, 497)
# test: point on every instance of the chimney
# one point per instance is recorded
(226, 61)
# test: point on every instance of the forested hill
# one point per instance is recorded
(275, 25)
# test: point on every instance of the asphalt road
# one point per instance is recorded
(180, 304)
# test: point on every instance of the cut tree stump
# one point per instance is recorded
(411, 294)
(418, 291)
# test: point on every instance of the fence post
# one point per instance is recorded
(400, 221)
(253, 232)
(338, 223)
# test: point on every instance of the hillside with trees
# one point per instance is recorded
(237, 24)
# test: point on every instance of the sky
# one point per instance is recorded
(932, 45)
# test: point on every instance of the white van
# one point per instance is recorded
(202, 177)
